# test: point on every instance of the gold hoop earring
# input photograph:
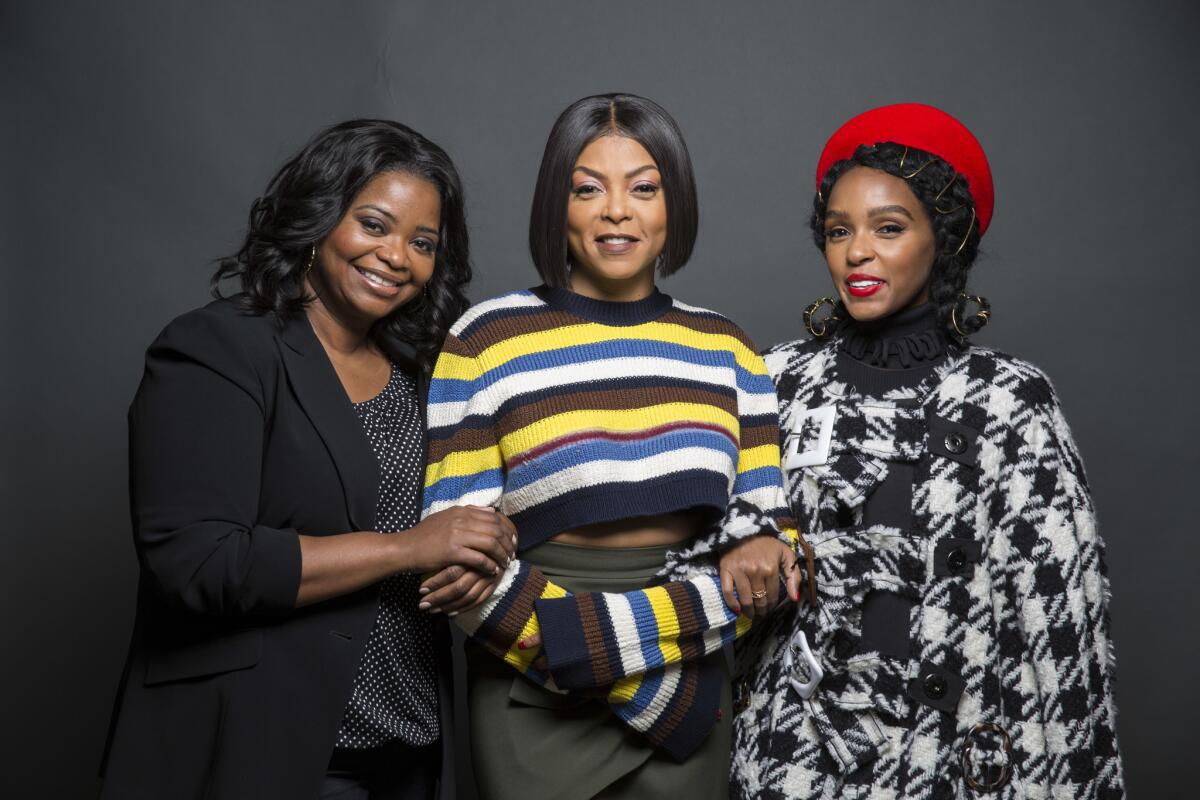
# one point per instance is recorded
(819, 327)
(312, 258)
(984, 313)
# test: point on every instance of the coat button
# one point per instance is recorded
(956, 560)
(935, 686)
(956, 443)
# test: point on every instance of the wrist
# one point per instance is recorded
(400, 552)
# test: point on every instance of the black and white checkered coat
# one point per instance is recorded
(1008, 683)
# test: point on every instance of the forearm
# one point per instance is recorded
(635, 631)
(331, 566)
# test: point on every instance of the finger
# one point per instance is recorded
(488, 591)
(791, 575)
(510, 533)
(727, 591)
(473, 556)
(745, 596)
(761, 594)
(531, 642)
(442, 578)
(448, 594)
(467, 600)
(770, 582)
(492, 547)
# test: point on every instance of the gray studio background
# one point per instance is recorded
(137, 133)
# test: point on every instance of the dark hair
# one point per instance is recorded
(947, 201)
(311, 193)
(583, 122)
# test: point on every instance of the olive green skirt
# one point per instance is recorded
(527, 742)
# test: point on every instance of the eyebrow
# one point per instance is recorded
(874, 212)
(630, 174)
(386, 213)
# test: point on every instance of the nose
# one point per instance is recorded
(859, 251)
(393, 252)
(616, 207)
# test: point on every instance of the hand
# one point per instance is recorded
(753, 567)
(480, 539)
(456, 589)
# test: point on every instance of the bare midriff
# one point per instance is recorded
(658, 530)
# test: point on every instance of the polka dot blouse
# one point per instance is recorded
(395, 690)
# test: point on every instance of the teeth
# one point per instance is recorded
(864, 284)
(375, 279)
(616, 239)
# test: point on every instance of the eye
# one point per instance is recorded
(836, 233)
(645, 188)
(371, 224)
(585, 190)
(425, 246)
(891, 229)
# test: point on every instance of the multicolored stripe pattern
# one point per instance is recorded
(563, 413)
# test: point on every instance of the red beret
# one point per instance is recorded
(926, 128)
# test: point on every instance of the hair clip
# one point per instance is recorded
(966, 235)
(903, 156)
(944, 188)
(917, 171)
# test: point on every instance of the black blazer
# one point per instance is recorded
(241, 437)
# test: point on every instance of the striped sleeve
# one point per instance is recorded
(758, 503)
(464, 462)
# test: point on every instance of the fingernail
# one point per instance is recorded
(435, 611)
(495, 570)
(423, 591)
(452, 614)
(423, 606)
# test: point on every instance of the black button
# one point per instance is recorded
(956, 443)
(935, 686)
(956, 560)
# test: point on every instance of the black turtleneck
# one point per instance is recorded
(895, 352)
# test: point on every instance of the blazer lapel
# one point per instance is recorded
(323, 399)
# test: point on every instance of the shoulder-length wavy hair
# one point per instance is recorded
(946, 197)
(584, 121)
(311, 193)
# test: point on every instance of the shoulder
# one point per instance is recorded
(222, 337)
(707, 321)
(515, 304)
(789, 357)
(1024, 381)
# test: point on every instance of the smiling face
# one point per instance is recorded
(879, 244)
(381, 254)
(616, 220)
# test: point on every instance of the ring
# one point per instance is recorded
(759, 595)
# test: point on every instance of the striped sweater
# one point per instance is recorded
(563, 411)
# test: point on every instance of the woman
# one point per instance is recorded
(632, 438)
(275, 441)
(959, 644)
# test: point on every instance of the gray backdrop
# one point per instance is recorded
(137, 133)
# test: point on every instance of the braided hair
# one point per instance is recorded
(947, 200)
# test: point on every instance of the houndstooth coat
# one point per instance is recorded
(1007, 689)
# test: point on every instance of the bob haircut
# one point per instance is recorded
(579, 125)
(307, 198)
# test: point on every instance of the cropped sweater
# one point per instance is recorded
(563, 411)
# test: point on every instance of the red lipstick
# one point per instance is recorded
(861, 285)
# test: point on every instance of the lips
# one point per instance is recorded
(615, 244)
(862, 285)
(385, 287)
